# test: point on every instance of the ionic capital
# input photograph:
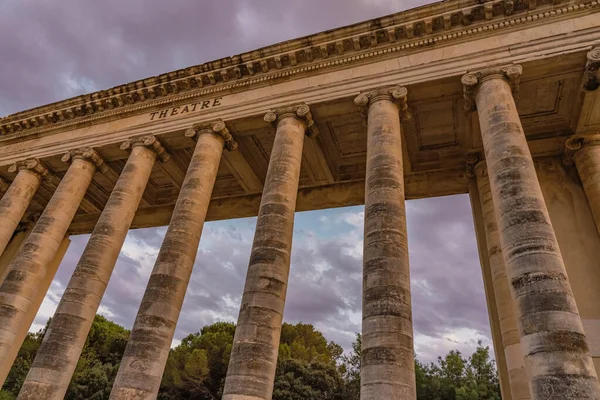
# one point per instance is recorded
(299, 111)
(472, 161)
(591, 78)
(472, 81)
(32, 164)
(396, 94)
(87, 154)
(149, 141)
(575, 143)
(214, 127)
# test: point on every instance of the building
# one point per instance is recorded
(497, 99)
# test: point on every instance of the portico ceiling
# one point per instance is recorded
(437, 138)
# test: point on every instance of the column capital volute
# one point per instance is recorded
(149, 141)
(88, 154)
(396, 94)
(472, 80)
(31, 164)
(576, 142)
(591, 78)
(473, 162)
(217, 127)
(298, 111)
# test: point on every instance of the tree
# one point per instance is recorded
(350, 370)
(298, 380)
(455, 378)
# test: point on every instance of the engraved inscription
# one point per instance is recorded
(201, 105)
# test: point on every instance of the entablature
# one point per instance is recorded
(432, 26)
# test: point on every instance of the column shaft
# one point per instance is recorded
(587, 160)
(63, 342)
(15, 201)
(387, 366)
(251, 372)
(488, 287)
(148, 347)
(552, 337)
(28, 269)
(515, 362)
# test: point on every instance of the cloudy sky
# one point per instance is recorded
(52, 50)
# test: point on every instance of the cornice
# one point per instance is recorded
(407, 31)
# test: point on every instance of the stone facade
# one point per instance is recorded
(374, 113)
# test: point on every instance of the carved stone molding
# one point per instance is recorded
(88, 154)
(591, 78)
(217, 127)
(33, 165)
(436, 25)
(471, 161)
(575, 143)
(396, 94)
(149, 141)
(471, 81)
(300, 111)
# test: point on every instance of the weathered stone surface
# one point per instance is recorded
(511, 342)
(28, 269)
(63, 342)
(251, 371)
(387, 366)
(18, 196)
(148, 347)
(587, 160)
(552, 336)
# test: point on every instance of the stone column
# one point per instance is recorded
(18, 196)
(251, 372)
(511, 341)
(148, 347)
(387, 364)
(28, 269)
(585, 151)
(557, 355)
(59, 352)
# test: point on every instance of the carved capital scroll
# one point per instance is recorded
(591, 78)
(149, 141)
(574, 143)
(471, 161)
(31, 164)
(88, 154)
(215, 127)
(397, 94)
(299, 111)
(472, 80)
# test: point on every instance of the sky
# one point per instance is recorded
(52, 50)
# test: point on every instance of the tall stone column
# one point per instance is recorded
(251, 372)
(148, 347)
(18, 196)
(387, 361)
(65, 337)
(585, 151)
(28, 269)
(511, 341)
(556, 352)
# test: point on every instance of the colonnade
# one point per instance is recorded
(543, 340)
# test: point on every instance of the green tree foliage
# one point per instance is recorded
(95, 371)
(456, 378)
(309, 367)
